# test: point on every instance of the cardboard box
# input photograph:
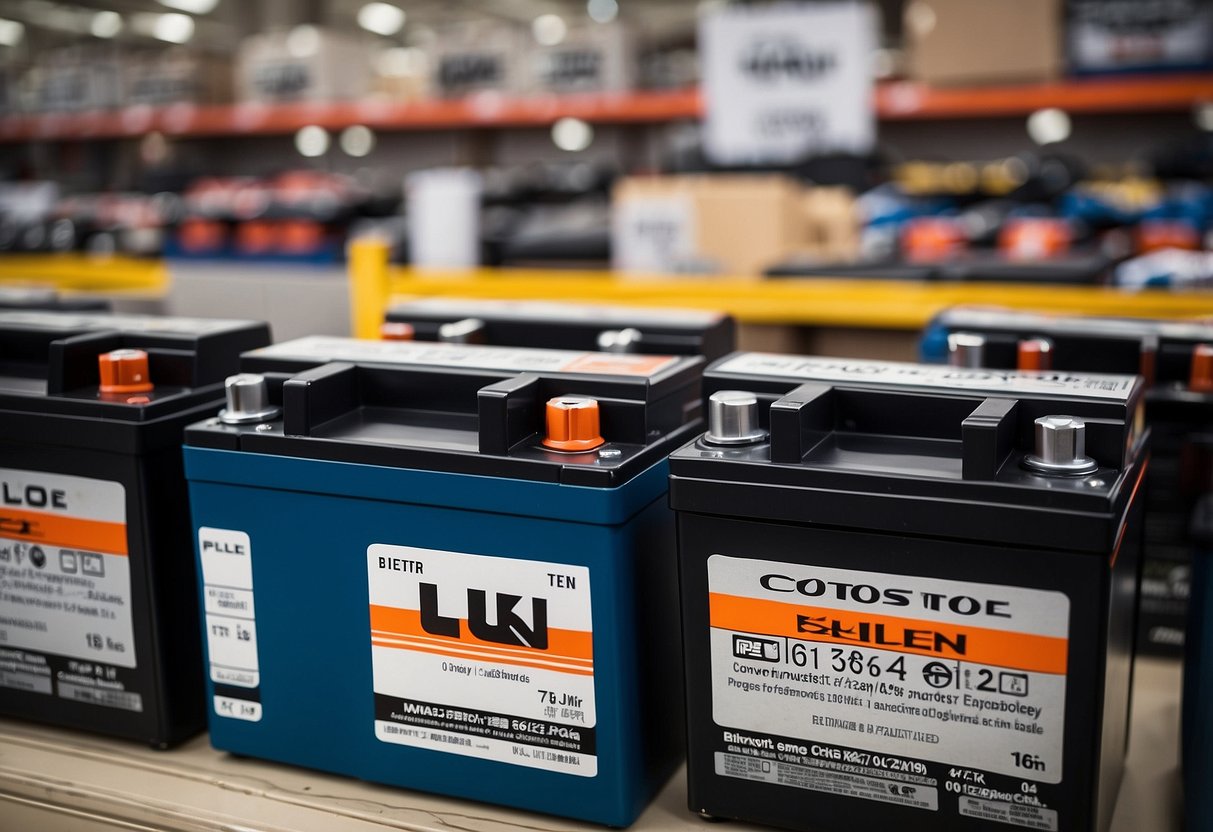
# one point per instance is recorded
(831, 225)
(302, 64)
(178, 76)
(959, 42)
(480, 57)
(592, 58)
(75, 78)
(729, 224)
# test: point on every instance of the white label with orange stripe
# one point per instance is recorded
(65, 584)
(483, 656)
(963, 673)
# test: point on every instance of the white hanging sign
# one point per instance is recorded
(787, 81)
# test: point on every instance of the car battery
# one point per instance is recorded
(463, 567)
(21, 297)
(98, 608)
(908, 594)
(1196, 733)
(566, 326)
(1176, 358)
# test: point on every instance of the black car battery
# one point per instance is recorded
(20, 297)
(565, 326)
(1176, 359)
(98, 605)
(908, 594)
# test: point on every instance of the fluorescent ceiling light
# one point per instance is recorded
(11, 32)
(602, 11)
(105, 24)
(191, 6)
(549, 29)
(381, 18)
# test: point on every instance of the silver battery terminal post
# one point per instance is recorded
(619, 340)
(248, 400)
(466, 331)
(966, 349)
(733, 419)
(1061, 447)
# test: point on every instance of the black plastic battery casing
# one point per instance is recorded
(138, 678)
(809, 562)
(572, 326)
(1177, 416)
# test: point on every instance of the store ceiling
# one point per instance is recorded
(50, 22)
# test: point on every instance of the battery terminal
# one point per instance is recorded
(572, 424)
(124, 371)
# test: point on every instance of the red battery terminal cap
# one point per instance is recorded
(396, 331)
(572, 424)
(124, 371)
(1035, 354)
(1200, 379)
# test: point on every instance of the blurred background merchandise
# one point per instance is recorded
(1046, 141)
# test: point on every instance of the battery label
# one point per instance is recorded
(487, 657)
(889, 670)
(1113, 387)
(125, 323)
(324, 348)
(557, 312)
(231, 622)
(65, 589)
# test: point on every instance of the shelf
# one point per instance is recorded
(57, 780)
(895, 101)
(903, 101)
(84, 273)
(823, 302)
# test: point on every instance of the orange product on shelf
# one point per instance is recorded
(198, 235)
(932, 238)
(1153, 235)
(1034, 238)
(257, 236)
(300, 236)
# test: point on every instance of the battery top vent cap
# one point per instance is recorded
(572, 424)
(124, 371)
(1061, 447)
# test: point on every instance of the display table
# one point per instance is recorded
(53, 780)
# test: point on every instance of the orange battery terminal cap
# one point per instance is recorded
(396, 331)
(124, 371)
(572, 424)
(1035, 354)
(1200, 380)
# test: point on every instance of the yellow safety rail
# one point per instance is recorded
(874, 304)
(84, 273)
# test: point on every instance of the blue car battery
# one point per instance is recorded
(475, 544)
(1176, 359)
(1196, 734)
(908, 594)
(565, 326)
(98, 606)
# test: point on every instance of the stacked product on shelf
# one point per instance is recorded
(100, 613)
(297, 216)
(503, 511)
(1176, 360)
(908, 594)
